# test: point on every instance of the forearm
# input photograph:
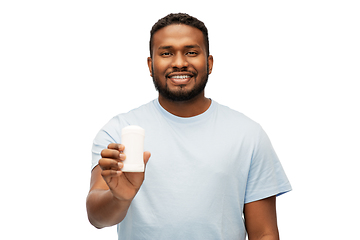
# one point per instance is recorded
(260, 219)
(104, 210)
(266, 237)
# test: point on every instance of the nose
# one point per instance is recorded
(179, 61)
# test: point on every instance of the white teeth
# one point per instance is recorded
(180, 76)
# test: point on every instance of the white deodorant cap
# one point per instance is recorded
(132, 137)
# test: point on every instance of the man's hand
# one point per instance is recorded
(123, 185)
(111, 190)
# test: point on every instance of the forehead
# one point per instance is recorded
(178, 35)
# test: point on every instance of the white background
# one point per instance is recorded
(67, 67)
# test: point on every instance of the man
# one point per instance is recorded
(210, 166)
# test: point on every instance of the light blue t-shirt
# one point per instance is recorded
(202, 171)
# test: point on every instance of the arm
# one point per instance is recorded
(111, 191)
(260, 219)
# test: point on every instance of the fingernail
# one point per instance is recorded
(122, 156)
(120, 165)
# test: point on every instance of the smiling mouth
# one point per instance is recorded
(180, 78)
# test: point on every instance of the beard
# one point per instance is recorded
(181, 94)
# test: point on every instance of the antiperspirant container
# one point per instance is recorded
(132, 137)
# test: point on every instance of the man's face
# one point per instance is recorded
(179, 66)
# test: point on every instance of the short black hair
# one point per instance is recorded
(180, 18)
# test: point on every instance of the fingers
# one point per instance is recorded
(112, 158)
(108, 174)
(110, 168)
(116, 146)
(113, 154)
(107, 163)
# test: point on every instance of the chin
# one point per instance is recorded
(180, 95)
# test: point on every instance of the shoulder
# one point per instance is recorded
(134, 115)
(235, 118)
(111, 131)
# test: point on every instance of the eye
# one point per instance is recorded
(165, 54)
(191, 54)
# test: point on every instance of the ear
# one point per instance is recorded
(210, 62)
(149, 62)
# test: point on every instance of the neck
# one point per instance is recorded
(190, 108)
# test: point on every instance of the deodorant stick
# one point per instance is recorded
(132, 137)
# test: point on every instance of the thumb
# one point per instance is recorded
(146, 157)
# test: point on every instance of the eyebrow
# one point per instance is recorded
(165, 47)
(187, 46)
(192, 46)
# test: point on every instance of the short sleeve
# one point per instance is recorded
(266, 175)
(110, 133)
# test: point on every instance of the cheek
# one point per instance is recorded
(200, 66)
(198, 62)
(160, 65)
